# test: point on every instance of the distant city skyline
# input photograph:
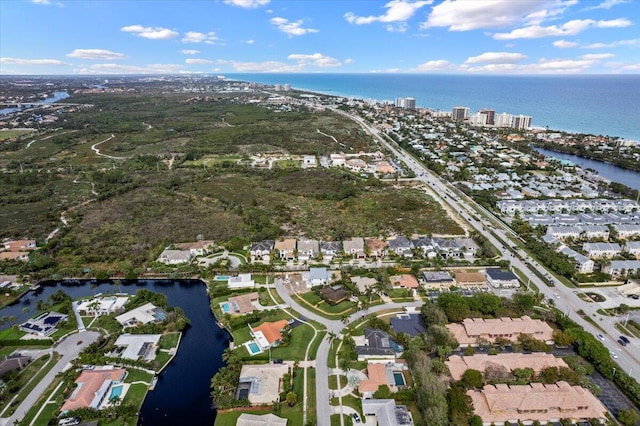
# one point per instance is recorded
(252, 36)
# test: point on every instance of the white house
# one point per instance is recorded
(174, 257)
(498, 278)
(584, 265)
(633, 248)
(241, 281)
(621, 267)
(601, 250)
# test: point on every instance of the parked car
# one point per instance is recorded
(356, 417)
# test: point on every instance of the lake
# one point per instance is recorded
(627, 177)
(182, 393)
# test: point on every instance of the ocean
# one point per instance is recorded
(595, 104)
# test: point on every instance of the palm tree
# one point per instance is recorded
(292, 398)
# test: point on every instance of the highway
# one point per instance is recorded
(564, 298)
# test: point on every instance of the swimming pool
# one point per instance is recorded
(221, 278)
(116, 392)
(399, 378)
(253, 348)
(225, 307)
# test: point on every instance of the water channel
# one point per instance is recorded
(627, 177)
(182, 393)
(55, 97)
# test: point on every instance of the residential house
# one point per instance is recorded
(501, 366)
(241, 281)
(93, 388)
(286, 249)
(309, 161)
(354, 247)
(384, 168)
(308, 249)
(376, 344)
(438, 280)
(467, 246)
(337, 160)
(375, 247)
(400, 246)
(584, 265)
(144, 314)
(20, 245)
(103, 305)
(197, 248)
(470, 280)
(633, 248)
(446, 248)
(261, 249)
(44, 324)
(137, 346)
(473, 331)
(406, 281)
(13, 362)
(174, 257)
(316, 276)
(563, 232)
(330, 249)
(356, 165)
(22, 256)
(424, 244)
(386, 412)
(411, 324)
(619, 268)
(383, 374)
(498, 278)
(364, 283)
(601, 250)
(269, 419)
(268, 334)
(334, 294)
(537, 402)
(241, 304)
(261, 384)
(595, 232)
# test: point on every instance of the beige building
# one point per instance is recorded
(286, 249)
(472, 331)
(470, 280)
(501, 365)
(261, 383)
(498, 404)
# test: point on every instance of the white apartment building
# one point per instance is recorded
(583, 264)
(633, 248)
(601, 250)
(627, 231)
(618, 268)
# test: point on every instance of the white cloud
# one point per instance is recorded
(196, 37)
(315, 59)
(291, 28)
(597, 56)
(151, 33)
(132, 69)
(569, 28)
(631, 42)
(47, 3)
(267, 66)
(189, 51)
(464, 15)
(250, 41)
(496, 58)
(564, 44)
(607, 4)
(95, 54)
(348, 61)
(543, 66)
(22, 61)
(197, 61)
(400, 27)
(397, 11)
(247, 4)
(435, 65)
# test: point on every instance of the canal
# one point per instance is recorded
(182, 395)
(609, 171)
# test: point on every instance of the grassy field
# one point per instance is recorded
(168, 341)
(6, 134)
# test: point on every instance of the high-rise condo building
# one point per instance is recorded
(491, 115)
(521, 122)
(459, 114)
(503, 120)
(406, 103)
(478, 119)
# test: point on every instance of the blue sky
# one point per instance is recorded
(226, 36)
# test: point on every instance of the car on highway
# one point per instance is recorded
(600, 336)
(613, 355)
(623, 340)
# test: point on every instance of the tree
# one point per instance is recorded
(432, 314)
(292, 398)
(454, 306)
(628, 417)
(472, 379)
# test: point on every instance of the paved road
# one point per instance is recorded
(564, 298)
(322, 370)
(69, 348)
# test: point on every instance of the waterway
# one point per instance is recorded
(57, 96)
(182, 395)
(627, 177)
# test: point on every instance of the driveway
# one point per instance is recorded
(69, 348)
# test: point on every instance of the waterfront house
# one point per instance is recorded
(197, 248)
(241, 281)
(268, 334)
(144, 314)
(44, 324)
(174, 257)
(93, 387)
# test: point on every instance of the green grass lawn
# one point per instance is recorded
(335, 420)
(135, 375)
(316, 343)
(36, 371)
(311, 394)
(169, 340)
(230, 418)
(295, 350)
(135, 395)
(316, 304)
(161, 360)
(11, 333)
(50, 410)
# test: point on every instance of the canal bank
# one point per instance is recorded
(182, 393)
